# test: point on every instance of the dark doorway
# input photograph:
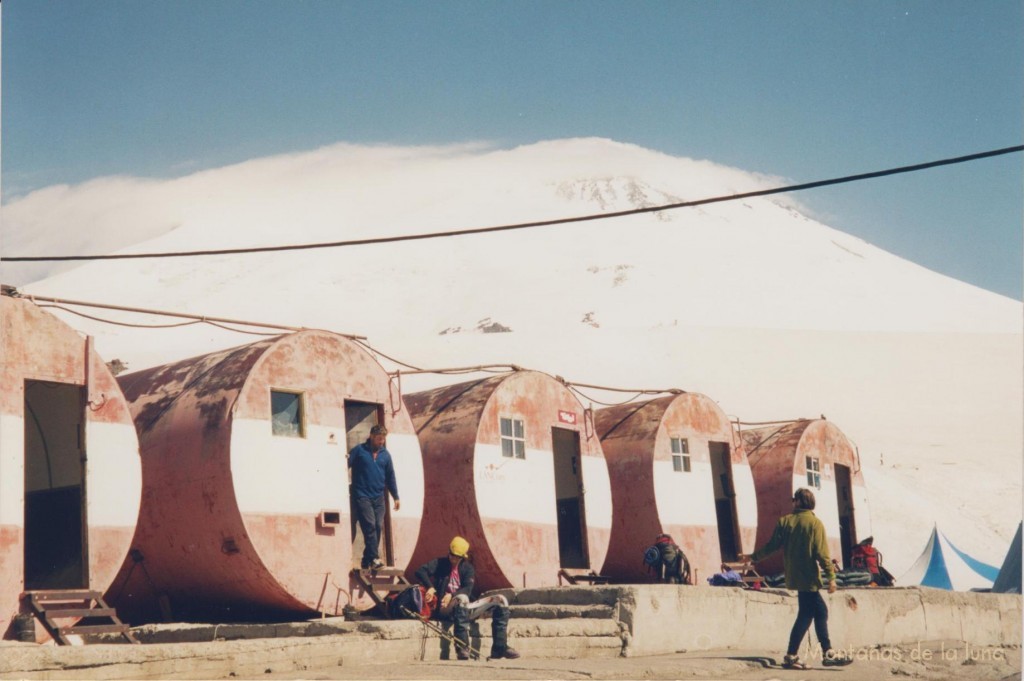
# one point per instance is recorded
(725, 500)
(572, 519)
(847, 525)
(360, 417)
(56, 547)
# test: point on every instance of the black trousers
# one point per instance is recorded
(811, 608)
(499, 627)
(370, 515)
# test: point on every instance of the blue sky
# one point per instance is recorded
(805, 90)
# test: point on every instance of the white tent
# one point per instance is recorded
(944, 566)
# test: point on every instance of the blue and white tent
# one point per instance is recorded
(944, 566)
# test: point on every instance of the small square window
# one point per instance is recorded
(813, 466)
(286, 414)
(513, 438)
(680, 455)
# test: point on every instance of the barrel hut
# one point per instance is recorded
(70, 479)
(246, 511)
(675, 469)
(507, 460)
(810, 453)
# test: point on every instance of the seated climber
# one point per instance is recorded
(453, 578)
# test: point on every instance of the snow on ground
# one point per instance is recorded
(764, 309)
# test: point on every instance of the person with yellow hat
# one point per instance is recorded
(454, 577)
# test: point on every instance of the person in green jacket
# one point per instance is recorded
(801, 536)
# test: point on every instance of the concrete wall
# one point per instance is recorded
(663, 619)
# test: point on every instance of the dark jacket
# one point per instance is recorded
(436, 572)
(370, 476)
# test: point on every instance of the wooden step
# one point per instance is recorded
(86, 606)
(80, 612)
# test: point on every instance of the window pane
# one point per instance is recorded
(675, 445)
(506, 427)
(520, 449)
(519, 428)
(810, 478)
(684, 446)
(686, 464)
(286, 414)
(677, 464)
(506, 447)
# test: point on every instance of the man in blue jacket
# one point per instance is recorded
(372, 473)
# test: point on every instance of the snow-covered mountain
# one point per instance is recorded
(752, 302)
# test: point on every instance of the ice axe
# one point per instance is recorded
(439, 630)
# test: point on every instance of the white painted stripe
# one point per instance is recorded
(291, 475)
(685, 498)
(12, 470)
(861, 513)
(113, 475)
(408, 461)
(287, 475)
(598, 498)
(515, 489)
(746, 495)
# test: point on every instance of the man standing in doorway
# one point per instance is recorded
(372, 473)
(801, 536)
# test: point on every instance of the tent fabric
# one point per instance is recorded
(944, 566)
(1009, 579)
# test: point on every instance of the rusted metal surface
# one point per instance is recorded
(36, 346)
(229, 527)
(636, 439)
(505, 507)
(778, 456)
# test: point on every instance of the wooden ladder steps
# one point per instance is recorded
(91, 612)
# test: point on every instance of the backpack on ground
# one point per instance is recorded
(667, 561)
(413, 600)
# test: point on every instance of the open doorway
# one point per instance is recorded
(572, 520)
(360, 417)
(725, 500)
(847, 526)
(56, 548)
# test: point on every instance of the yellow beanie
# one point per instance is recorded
(459, 547)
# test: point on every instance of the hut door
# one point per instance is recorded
(56, 548)
(847, 527)
(725, 500)
(359, 418)
(572, 520)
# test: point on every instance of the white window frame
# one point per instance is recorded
(813, 465)
(681, 455)
(516, 448)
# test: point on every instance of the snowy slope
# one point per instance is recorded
(770, 312)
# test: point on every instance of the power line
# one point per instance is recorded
(529, 225)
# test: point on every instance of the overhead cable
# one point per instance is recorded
(526, 225)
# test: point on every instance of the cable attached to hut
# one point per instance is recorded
(199, 319)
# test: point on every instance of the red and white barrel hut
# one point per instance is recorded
(507, 460)
(70, 479)
(810, 453)
(676, 469)
(246, 511)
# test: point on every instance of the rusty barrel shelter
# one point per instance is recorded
(675, 469)
(512, 464)
(246, 511)
(70, 478)
(810, 453)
